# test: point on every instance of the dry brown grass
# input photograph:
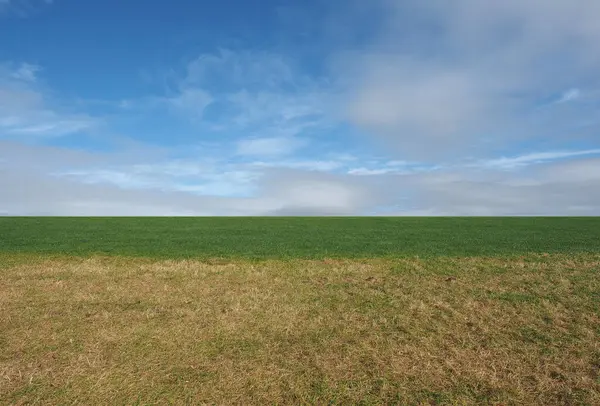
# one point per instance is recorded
(436, 331)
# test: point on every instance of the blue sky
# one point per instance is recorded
(386, 107)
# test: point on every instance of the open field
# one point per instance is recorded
(479, 330)
(277, 238)
(411, 311)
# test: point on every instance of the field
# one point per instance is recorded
(304, 238)
(300, 311)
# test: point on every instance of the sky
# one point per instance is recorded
(312, 107)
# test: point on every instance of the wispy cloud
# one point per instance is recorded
(47, 124)
(253, 94)
(395, 116)
(26, 112)
(570, 95)
(553, 188)
(533, 158)
(191, 102)
(269, 147)
(309, 165)
(234, 69)
(469, 85)
(393, 167)
(61, 181)
(26, 72)
(370, 172)
(22, 8)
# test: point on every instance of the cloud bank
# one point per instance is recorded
(438, 108)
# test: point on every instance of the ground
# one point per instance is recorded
(97, 329)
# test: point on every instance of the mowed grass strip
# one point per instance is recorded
(298, 237)
(110, 330)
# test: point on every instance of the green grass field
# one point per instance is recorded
(299, 237)
(254, 311)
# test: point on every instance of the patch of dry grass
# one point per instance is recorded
(434, 331)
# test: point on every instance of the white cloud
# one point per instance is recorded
(533, 158)
(450, 79)
(370, 172)
(240, 69)
(253, 94)
(570, 95)
(436, 103)
(270, 147)
(61, 182)
(22, 8)
(219, 180)
(309, 193)
(398, 163)
(309, 165)
(392, 167)
(441, 82)
(296, 110)
(191, 101)
(57, 181)
(50, 126)
(563, 188)
(26, 112)
(579, 171)
(26, 72)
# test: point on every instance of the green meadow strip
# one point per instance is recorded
(299, 237)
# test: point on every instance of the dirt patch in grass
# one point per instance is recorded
(436, 331)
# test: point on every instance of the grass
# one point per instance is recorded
(523, 329)
(413, 311)
(277, 238)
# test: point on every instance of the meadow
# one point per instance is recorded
(413, 311)
(297, 237)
